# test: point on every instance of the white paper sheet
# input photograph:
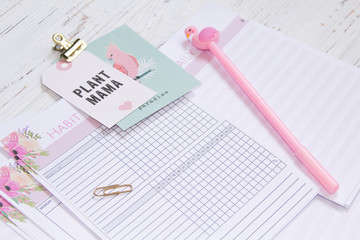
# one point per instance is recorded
(11, 232)
(49, 219)
(21, 224)
(194, 176)
(315, 95)
(324, 220)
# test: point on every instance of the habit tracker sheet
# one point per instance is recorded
(193, 176)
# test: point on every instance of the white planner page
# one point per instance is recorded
(324, 220)
(24, 230)
(48, 213)
(315, 95)
(193, 176)
(17, 221)
(10, 231)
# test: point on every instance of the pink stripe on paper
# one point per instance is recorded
(205, 57)
(66, 142)
(39, 196)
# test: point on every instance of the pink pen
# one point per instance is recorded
(207, 40)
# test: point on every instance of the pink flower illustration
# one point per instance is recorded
(4, 205)
(24, 148)
(8, 186)
(13, 148)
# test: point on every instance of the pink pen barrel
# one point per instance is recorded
(305, 157)
(317, 170)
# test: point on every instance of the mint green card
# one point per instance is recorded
(132, 55)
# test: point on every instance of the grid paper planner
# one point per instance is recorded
(193, 178)
(315, 95)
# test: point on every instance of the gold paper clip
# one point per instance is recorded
(111, 187)
(69, 50)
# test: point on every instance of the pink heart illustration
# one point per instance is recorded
(126, 106)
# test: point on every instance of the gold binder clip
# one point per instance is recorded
(69, 50)
(111, 187)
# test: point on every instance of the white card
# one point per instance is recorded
(96, 88)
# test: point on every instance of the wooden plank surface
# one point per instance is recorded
(26, 28)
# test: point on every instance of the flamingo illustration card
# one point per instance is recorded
(97, 88)
(131, 55)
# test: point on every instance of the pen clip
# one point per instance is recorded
(111, 187)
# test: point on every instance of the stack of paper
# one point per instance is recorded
(31, 210)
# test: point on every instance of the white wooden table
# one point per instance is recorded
(26, 27)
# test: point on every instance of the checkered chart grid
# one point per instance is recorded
(217, 177)
(143, 149)
(150, 144)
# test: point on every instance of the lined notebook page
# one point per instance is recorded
(315, 95)
(335, 222)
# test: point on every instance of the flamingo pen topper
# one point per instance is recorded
(207, 40)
